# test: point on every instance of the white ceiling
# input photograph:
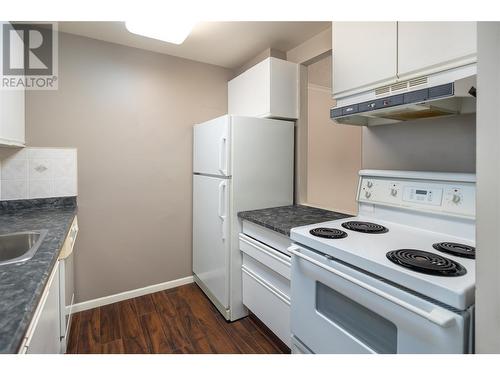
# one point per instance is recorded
(227, 44)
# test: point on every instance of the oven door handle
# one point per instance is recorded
(437, 316)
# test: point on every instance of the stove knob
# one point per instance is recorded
(456, 198)
(394, 192)
(369, 184)
(367, 194)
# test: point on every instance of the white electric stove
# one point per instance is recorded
(397, 278)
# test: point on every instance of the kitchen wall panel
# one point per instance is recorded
(130, 114)
(444, 145)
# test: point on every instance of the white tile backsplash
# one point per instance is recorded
(41, 189)
(35, 172)
(14, 189)
(14, 169)
(64, 187)
(63, 167)
(40, 169)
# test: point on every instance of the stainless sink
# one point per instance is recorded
(19, 247)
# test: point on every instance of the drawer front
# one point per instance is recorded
(275, 260)
(268, 304)
(272, 278)
(267, 236)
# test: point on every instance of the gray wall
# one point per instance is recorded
(129, 112)
(446, 145)
(488, 187)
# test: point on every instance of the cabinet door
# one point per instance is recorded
(12, 117)
(45, 336)
(364, 56)
(249, 93)
(429, 47)
(12, 113)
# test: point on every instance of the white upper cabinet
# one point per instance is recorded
(364, 55)
(368, 55)
(11, 118)
(430, 47)
(268, 89)
(11, 111)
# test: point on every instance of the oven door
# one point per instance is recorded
(338, 309)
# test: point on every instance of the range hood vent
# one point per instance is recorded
(400, 86)
(410, 100)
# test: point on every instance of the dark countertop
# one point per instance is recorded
(282, 219)
(22, 284)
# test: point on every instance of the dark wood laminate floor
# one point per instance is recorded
(179, 320)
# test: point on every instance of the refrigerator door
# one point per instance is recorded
(211, 150)
(211, 242)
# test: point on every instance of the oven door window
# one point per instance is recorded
(367, 326)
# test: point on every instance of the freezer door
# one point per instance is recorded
(211, 235)
(211, 147)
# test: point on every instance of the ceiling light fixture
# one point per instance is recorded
(174, 32)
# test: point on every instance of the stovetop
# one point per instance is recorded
(369, 252)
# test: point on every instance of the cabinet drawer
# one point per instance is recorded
(268, 304)
(273, 259)
(272, 278)
(267, 236)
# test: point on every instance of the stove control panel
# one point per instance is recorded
(456, 198)
(423, 195)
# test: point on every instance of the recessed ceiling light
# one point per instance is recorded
(168, 31)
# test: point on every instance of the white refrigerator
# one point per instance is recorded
(239, 164)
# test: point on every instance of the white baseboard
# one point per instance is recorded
(93, 303)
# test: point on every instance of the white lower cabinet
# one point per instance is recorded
(49, 329)
(267, 303)
(44, 333)
(266, 281)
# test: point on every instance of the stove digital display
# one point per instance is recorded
(423, 195)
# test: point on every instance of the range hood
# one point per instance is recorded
(420, 98)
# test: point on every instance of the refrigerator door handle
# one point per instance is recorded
(222, 155)
(220, 210)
